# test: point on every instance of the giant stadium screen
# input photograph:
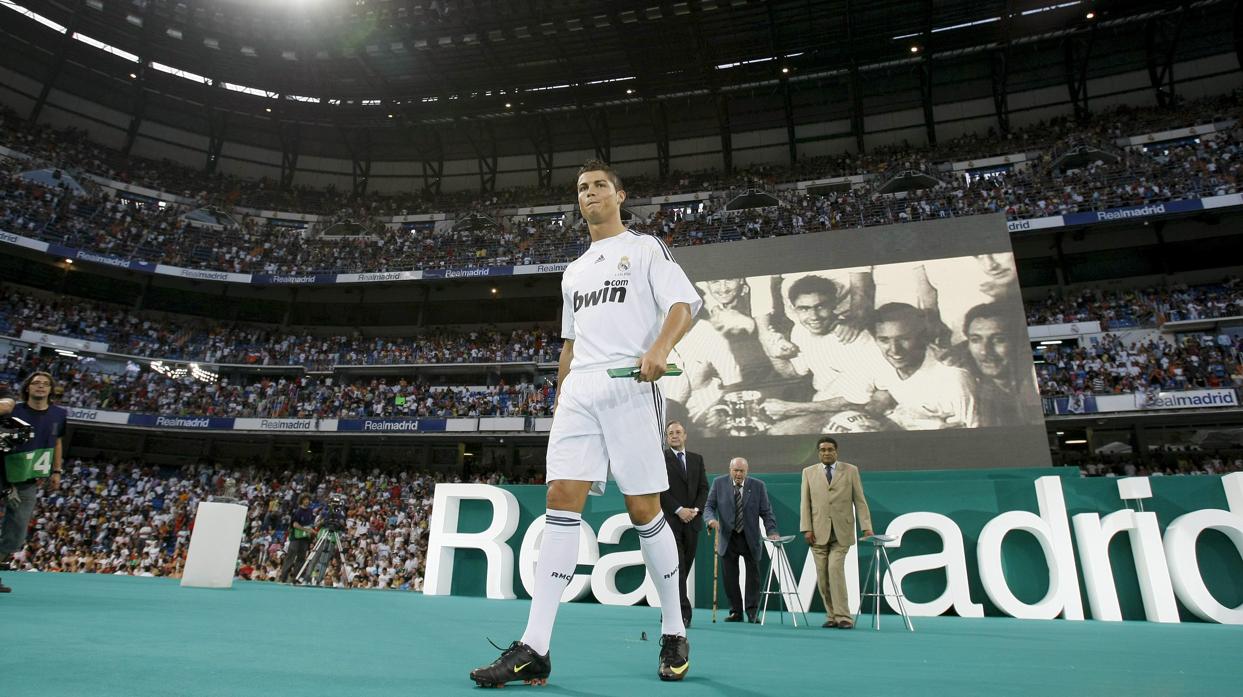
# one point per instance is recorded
(907, 343)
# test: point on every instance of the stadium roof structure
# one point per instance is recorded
(462, 79)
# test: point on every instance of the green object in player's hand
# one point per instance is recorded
(670, 369)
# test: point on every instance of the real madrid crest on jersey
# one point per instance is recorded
(624, 264)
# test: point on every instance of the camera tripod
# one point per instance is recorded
(327, 545)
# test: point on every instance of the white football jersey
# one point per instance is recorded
(615, 298)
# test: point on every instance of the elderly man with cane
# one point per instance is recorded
(736, 503)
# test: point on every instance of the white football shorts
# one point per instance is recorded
(609, 425)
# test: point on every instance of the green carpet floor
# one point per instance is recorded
(105, 635)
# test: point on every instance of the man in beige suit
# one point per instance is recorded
(831, 492)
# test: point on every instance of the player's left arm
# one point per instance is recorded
(655, 361)
(674, 294)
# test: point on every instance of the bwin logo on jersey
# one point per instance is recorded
(607, 294)
(624, 264)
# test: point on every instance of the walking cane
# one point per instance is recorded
(716, 563)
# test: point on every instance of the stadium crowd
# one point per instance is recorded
(1110, 177)
(1146, 307)
(135, 519)
(137, 389)
(179, 337)
(1105, 367)
(239, 241)
(1163, 465)
(1115, 366)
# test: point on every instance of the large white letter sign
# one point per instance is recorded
(443, 538)
(1180, 551)
(528, 558)
(1093, 533)
(952, 558)
(1052, 530)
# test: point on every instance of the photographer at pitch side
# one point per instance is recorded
(39, 458)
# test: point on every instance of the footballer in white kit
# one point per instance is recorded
(626, 303)
(615, 297)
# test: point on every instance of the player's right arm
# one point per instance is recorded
(563, 369)
(567, 339)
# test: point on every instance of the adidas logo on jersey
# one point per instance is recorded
(597, 261)
(607, 294)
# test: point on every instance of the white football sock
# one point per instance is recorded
(660, 553)
(558, 556)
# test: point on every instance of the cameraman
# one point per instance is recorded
(40, 457)
(301, 532)
(329, 524)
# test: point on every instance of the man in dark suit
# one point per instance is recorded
(683, 503)
(735, 505)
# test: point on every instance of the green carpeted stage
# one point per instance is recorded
(101, 636)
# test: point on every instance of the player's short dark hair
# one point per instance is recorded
(826, 439)
(988, 311)
(675, 421)
(25, 391)
(812, 285)
(900, 312)
(304, 497)
(602, 166)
